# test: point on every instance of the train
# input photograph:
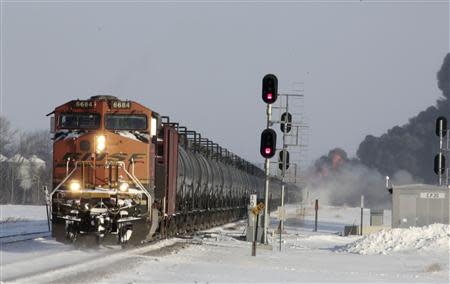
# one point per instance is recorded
(124, 174)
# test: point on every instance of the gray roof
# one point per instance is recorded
(420, 186)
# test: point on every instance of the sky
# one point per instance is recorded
(364, 66)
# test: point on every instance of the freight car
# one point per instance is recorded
(124, 174)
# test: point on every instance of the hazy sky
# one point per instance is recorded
(366, 66)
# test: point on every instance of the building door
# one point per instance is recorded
(407, 210)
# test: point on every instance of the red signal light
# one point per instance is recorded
(268, 143)
(269, 88)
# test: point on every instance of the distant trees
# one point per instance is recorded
(6, 135)
(25, 164)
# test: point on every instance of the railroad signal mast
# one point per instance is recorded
(268, 140)
(440, 167)
(294, 134)
(283, 159)
(286, 125)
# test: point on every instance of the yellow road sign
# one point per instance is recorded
(257, 210)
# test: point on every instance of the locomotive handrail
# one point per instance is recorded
(64, 180)
(139, 184)
(60, 184)
(135, 179)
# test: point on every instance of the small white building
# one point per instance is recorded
(419, 205)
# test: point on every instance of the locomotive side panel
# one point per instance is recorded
(172, 166)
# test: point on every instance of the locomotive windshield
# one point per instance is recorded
(125, 122)
(79, 120)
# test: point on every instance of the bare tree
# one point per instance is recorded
(7, 135)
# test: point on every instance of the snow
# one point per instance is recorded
(17, 219)
(221, 255)
(134, 135)
(433, 237)
(38, 162)
(17, 158)
(127, 134)
(23, 212)
(68, 134)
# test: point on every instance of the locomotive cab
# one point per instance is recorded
(103, 177)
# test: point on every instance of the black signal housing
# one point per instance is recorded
(269, 88)
(268, 143)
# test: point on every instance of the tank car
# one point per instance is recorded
(124, 174)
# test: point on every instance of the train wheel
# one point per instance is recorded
(207, 220)
(172, 228)
(195, 222)
(71, 232)
(181, 225)
(203, 223)
(163, 228)
(212, 219)
(124, 235)
(189, 223)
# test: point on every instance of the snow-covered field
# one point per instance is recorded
(220, 255)
(17, 219)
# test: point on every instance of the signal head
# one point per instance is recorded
(268, 143)
(286, 122)
(269, 89)
(439, 164)
(283, 155)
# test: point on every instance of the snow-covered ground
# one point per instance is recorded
(17, 219)
(220, 255)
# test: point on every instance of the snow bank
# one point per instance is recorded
(432, 237)
(17, 213)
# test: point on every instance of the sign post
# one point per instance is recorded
(316, 208)
(47, 201)
(255, 236)
(281, 218)
(256, 211)
(362, 214)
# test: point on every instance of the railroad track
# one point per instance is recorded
(94, 266)
(8, 239)
(75, 266)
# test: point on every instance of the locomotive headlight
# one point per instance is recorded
(101, 143)
(124, 186)
(74, 186)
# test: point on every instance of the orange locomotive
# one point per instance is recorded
(124, 174)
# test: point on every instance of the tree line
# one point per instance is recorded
(25, 164)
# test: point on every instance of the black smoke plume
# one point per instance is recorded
(405, 153)
(410, 147)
